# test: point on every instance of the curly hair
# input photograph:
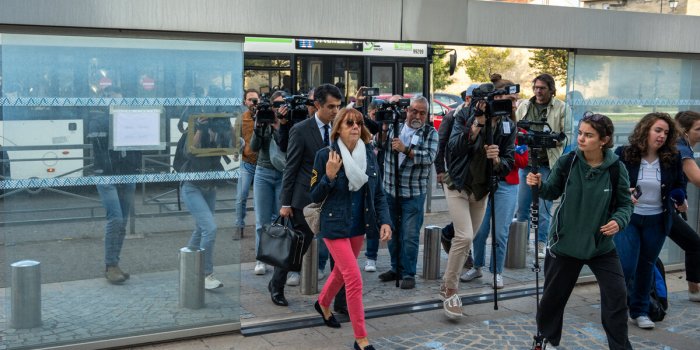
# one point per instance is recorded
(639, 144)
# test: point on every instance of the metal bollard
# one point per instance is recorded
(26, 294)
(191, 278)
(516, 253)
(309, 270)
(431, 252)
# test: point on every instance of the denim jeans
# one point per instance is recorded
(372, 248)
(267, 187)
(504, 199)
(322, 254)
(117, 200)
(525, 198)
(639, 245)
(246, 174)
(412, 209)
(200, 201)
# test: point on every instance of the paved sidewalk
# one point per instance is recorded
(511, 327)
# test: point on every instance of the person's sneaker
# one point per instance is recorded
(115, 275)
(643, 322)
(387, 276)
(541, 250)
(694, 296)
(408, 283)
(471, 274)
(371, 265)
(499, 281)
(210, 282)
(293, 279)
(260, 268)
(321, 274)
(453, 306)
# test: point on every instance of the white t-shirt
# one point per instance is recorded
(649, 179)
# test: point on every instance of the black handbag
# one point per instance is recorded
(280, 244)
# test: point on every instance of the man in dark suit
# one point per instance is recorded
(305, 139)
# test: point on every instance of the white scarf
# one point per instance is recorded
(355, 164)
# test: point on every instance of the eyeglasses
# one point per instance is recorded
(590, 116)
(351, 122)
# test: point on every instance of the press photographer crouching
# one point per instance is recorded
(481, 146)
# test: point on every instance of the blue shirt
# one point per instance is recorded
(685, 149)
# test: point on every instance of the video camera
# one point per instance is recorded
(388, 111)
(539, 139)
(263, 110)
(494, 108)
(296, 105)
(219, 125)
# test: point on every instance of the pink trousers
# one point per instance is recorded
(346, 272)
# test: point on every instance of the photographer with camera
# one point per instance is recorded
(415, 143)
(200, 195)
(481, 144)
(246, 170)
(542, 107)
(363, 93)
(286, 123)
(267, 184)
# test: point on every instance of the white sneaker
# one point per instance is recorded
(210, 282)
(643, 322)
(474, 272)
(321, 274)
(499, 281)
(260, 268)
(371, 265)
(453, 306)
(541, 250)
(293, 279)
(694, 296)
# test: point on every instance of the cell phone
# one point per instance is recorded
(637, 192)
(373, 91)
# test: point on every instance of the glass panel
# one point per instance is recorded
(413, 81)
(383, 78)
(268, 81)
(90, 126)
(309, 73)
(627, 88)
(346, 73)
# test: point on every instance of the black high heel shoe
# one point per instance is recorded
(368, 347)
(331, 321)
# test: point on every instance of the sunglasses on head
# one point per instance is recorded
(351, 122)
(590, 116)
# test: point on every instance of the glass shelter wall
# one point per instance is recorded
(90, 125)
(626, 88)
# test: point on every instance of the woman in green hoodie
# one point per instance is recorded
(592, 210)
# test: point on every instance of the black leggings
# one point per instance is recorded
(689, 241)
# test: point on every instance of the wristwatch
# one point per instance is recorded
(477, 124)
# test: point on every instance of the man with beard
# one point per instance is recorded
(416, 143)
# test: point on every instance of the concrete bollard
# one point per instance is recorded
(309, 270)
(191, 278)
(431, 252)
(516, 254)
(26, 294)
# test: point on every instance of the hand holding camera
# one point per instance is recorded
(534, 179)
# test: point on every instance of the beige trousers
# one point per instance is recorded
(467, 214)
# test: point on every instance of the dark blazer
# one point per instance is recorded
(671, 178)
(336, 212)
(304, 141)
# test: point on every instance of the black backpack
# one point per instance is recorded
(658, 298)
(180, 159)
(614, 170)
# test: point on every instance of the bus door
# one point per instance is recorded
(345, 72)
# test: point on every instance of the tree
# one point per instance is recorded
(550, 61)
(441, 69)
(485, 61)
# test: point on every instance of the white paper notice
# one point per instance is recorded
(136, 128)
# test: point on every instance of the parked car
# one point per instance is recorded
(450, 100)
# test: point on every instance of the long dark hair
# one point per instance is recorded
(639, 144)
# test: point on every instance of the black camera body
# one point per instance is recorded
(296, 106)
(494, 108)
(370, 92)
(387, 112)
(539, 139)
(263, 111)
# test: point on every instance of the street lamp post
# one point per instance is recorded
(673, 4)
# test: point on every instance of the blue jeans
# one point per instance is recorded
(525, 198)
(200, 201)
(372, 248)
(246, 174)
(267, 187)
(117, 200)
(504, 198)
(639, 245)
(412, 210)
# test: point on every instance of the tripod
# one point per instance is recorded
(493, 186)
(397, 203)
(538, 341)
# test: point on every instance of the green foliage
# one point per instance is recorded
(485, 61)
(550, 61)
(441, 70)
